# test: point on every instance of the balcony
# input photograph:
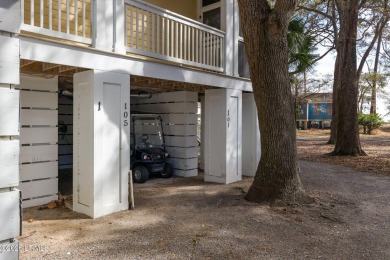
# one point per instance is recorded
(148, 30)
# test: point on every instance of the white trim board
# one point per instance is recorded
(52, 52)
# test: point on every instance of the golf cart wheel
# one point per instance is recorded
(140, 174)
(168, 171)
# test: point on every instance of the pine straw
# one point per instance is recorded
(382, 132)
(377, 161)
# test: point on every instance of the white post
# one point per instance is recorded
(10, 210)
(10, 13)
(103, 13)
(236, 16)
(223, 135)
(119, 23)
(251, 150)
(202, 131)
(101, 141)
(228, 25)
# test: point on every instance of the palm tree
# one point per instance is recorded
(301, 47)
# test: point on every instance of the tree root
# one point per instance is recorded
(354, 153)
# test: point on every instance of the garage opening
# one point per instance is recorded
(46, 132)
(47, 127)
(178, 111)
(65, 136)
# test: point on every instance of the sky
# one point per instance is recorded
(326, 66)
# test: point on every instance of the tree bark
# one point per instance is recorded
(376, 62)
(265, 37)
(336, 83)
(348, 141)
(336, 77)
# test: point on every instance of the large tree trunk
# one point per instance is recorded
(348, 141)
(336, 83)
(265, 35)
(336, 77)
(374, 83)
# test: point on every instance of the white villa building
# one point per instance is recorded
(72, 71)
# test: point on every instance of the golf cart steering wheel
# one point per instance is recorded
(142, 140)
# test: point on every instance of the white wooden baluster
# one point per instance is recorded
(185, 42)
(163, 36)
(67, 16)
(76, 17)
(197, 46)
(167, 32)
(136, 28)
(214, 50)
(182, 42)
(83, 9)
(204, 47)
(192, 37)
(41, 14)
(50, 15)
(176, 31)
(32, 12)
(148, 27)
(143, 29)
(131, 25)
(59, 14)
(172, 36)
(222, 53)
(158, 34)
(153, 34)
(207, 38)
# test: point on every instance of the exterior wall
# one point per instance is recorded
(178, 111)
(38, 140)
(10, 210)
(315, 111)
(187, 8)
(223, 135)
(101, 152)
(251, 150)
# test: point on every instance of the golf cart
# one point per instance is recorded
(148, 154)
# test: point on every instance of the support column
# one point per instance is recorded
(251, 149)
(223, 135)
(101, 142)
(202, 132)
(10, 197)
(228, 24)
(103, 31)
(119, 27)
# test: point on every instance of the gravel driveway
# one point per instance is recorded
(183, 218)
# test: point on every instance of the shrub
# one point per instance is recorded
(369, 122)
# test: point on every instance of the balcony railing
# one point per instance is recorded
(149, 30)
(65, 19)
(158, 33)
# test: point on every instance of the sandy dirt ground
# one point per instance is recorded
(312, 147)
(185, 218)
(383, 132)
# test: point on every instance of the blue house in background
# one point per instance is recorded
(314, 111)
